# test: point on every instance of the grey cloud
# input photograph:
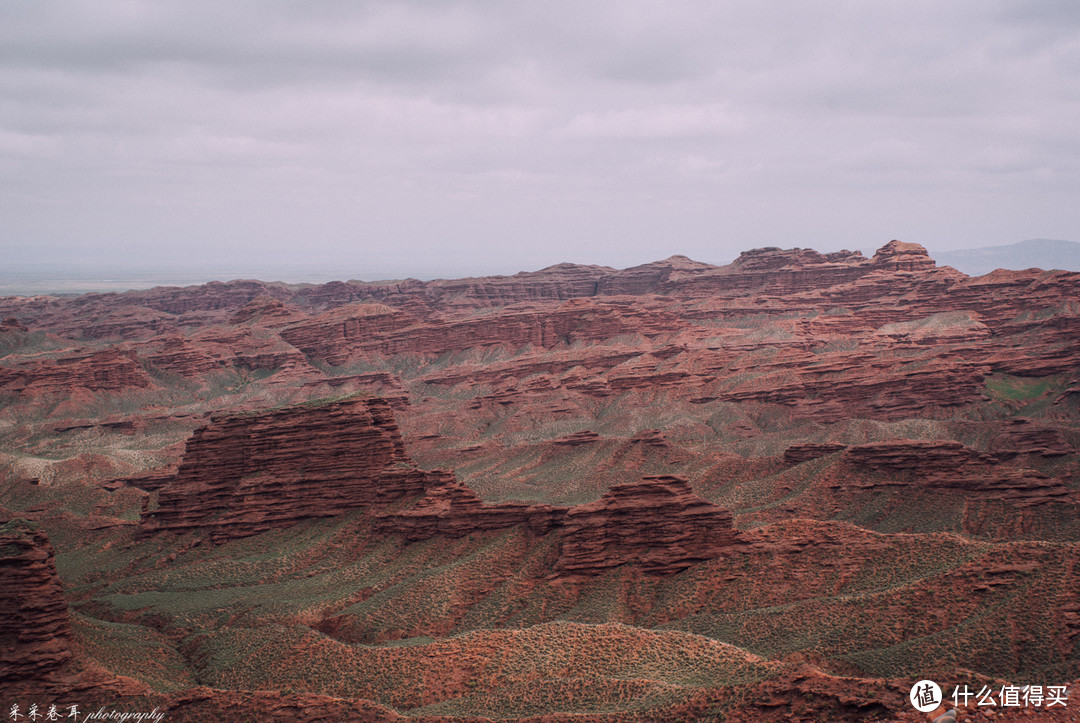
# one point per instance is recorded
(526, 134)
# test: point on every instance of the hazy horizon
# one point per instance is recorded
(61, 278)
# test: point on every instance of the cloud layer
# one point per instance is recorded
(422, 136)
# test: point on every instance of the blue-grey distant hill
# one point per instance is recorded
(1040, 253)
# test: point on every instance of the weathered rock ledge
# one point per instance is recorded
(34, 626)
(243, 474)
(248, 473)
(656, 522)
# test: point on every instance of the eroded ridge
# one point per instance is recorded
(247, 473)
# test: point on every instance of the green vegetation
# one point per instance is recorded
(1018, 389)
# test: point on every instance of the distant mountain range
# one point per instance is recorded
(1040, 253)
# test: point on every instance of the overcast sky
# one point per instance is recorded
(434, 137)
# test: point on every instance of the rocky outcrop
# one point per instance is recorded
(900, 256)
(110, 370)
(265, 310)
(336, 336)
(577, 439)
(131, 322)
(798, 453)
(1023, 436)
(593, 359)
(554, 283)
(247, 473)
(213, 296)
(11, 324)
(451, 508)
(185, 357)
(34, 627)
(777, 272)
(217, 349)
(381, 384)
(657, 522)
(772, 257)
(837, 386)
(149, 480)
(948, 465)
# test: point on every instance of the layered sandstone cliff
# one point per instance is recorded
(247, 473)
(370, 328)
(948, 465)
(109, 370)
(656, 522)
(453, 509)
(34, 627)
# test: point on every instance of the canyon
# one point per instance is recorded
(675, 490)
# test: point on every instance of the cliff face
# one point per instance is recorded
(453, 509)
(367, 328)
(101, 371)
(34, 627)
(336, 334)
(247, 473)
(948, 465)
(945, 465)
(657, 522)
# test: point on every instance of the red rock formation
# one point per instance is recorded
(244, 347)
(382, 384)
(1024, 436)
(657, 522)
(806, 693)
(11, 324)
(217, 348)
(453, 509)
(100, 371)
(798, 453)
(337, 334)
(577, 439)
(130, 322)
(900, 256)
(836, 386)
(247, 473)
(34, 628)
(185, 357)
(595, 359)
(213, 296)
(149, 480)
(265, 310)
(776, 271)
(772, 258)
(554, 283)
(947, 465)
(197, 705)
(648, 278)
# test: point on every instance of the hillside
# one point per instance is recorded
(782, 489)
